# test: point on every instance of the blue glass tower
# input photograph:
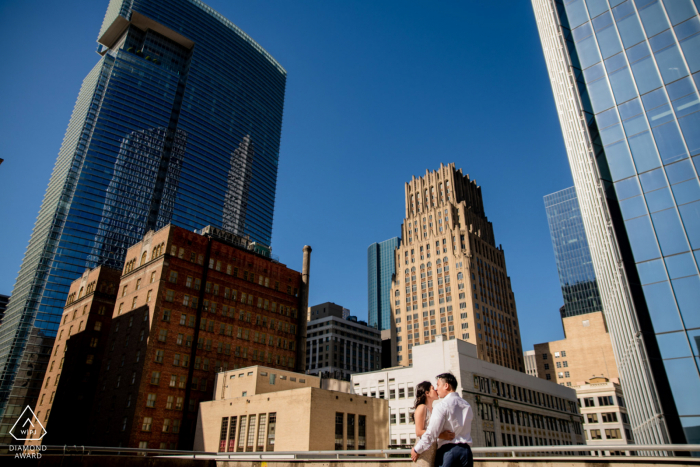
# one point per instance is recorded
(625, 76)
(178, 122)
(574, 264)
(381, 266)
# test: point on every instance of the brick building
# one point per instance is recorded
(76, 355)
(585, 352)
(189, 305)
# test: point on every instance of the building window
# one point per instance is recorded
(339, 431)
(609, 417)
(613, 433)
(151, 401)
(147, 422)
(595, 434)
(271, 426)
(351, 432)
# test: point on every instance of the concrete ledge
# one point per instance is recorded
(137, 461)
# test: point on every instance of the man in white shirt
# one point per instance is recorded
(452, 414)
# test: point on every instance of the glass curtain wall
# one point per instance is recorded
(574, 263)
(178, 122)
(637, 62)
(380, 269)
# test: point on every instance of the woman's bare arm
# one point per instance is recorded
(419, 417)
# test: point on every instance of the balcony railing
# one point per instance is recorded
(580, 453)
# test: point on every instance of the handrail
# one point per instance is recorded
(364, 455)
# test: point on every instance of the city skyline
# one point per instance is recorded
(379, 224)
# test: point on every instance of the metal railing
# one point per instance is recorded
(667, 452)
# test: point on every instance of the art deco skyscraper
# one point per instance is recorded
(625, 81)
(451, 278)
(163, 132)
(381, 268)
(574, 264)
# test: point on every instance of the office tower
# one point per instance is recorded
(188, 306)
(621, 74)
(76, 356)
(447, 241)
(337, 347)
(380, 270)
(4, 300)
(179, 122)
(530, 362)
(576, 275)
(510, 408)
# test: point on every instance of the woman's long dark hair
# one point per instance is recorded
(422, 390)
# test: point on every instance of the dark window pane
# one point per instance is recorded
(642, 239)
(673, 345)
(619, 161)
(653, 18)
(651, 271)
(659, 200)
(576, 13)
(669, 232)
(671, 64)
(645, 75)
(690, 213)
(679, 10)
(669, 142)
(679, 171)
(680, 266)
(633, 207)
(690, 126)
(685, 385)
(644, 152)
(687, 292)
(686, 192)
(662, 307)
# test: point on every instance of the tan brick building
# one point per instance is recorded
(189, 305)
(451, 277)
(585, 352)
(265, 409)
(76, 355)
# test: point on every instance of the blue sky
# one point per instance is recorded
(376, 92)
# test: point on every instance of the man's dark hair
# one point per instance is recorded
(450, 379)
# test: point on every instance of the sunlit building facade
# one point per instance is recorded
(178, 122)
(625, 81)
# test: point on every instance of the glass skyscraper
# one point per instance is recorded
(380, 269)
(574, 264)
(178, 122)
(625, 81)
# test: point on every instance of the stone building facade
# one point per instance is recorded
(266, 409)
(530, 362)
(338, 347)
(604, 413)
(190, 305)
(451, 278)
(71, 378)
(586, 352)
(510, 407)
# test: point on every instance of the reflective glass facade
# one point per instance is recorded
(178, 122)
(380, 269)
(635, 66)
(574, 263)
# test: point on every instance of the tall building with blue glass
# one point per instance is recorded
(625, 77)
(574, 264)
(178, 122)
(381, 266)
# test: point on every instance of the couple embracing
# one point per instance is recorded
(443, 429)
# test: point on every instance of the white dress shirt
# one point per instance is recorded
(452, 414)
